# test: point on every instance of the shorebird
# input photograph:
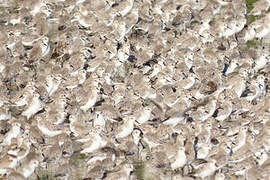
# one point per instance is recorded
(124, 173)
(256, 88)
(206, 169)
(224, 111)
(7, 162)
(29, 40)
(52, 83)
(77, 126)
(56, 110)
(13, 175)
(28, 168)
(207, 110)
(151, 140)
(75, 78)
(85, 21)
(25, 96)
(261, 61)
(40, 49)
(33, 107)
(260, 7)
(126, 128)
(99, 120)
(205, 134)
(12, 133)
(35, 136)
(21, 150)
(188, 82)
(258, 29)
(143, 115)
(220, 176)
(94, 142)
(179, 159)
(4, 114)
(155, 70)
(91, 99)
(241, 139)
(237, 84)
(175, 119)
(232, 66)
(47, 128)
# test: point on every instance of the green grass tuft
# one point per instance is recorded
(212, 22)
(139, 170)
(251, 43)
(249, 4)
(251, 19)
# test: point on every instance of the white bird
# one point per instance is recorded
(136, 134)
(208, 110)
(241, 139)
(261, 61)
(174, 120)
(94, 143)
(27, 169)
(34, 106)
(123, 174)
(180, 159)
(258, 29)
(12, 133)
(25, 96)
(45, 46)
(85, 21)
(7, 162)
(126, 128)
(203, 151)
(52, 83)
(92, 99)
(99, 120)
(187, 83)
(225, 111)
(232, 66)
(75, 78)
(4, 114)
(144, 115)
(257, 87)
(46, 128)
(206, 169)
(156, 70)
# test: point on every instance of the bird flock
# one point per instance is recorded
(134, 89)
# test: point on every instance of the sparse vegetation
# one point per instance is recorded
(251, 19)
(251, 43)
(77, 157)
(212, 21)
(249, 4)
(139, 170)
(15, 111)
(46, 177)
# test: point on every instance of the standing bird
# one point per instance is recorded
(12, 133)
(123, 174)
(33, 107)
(126, 128)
